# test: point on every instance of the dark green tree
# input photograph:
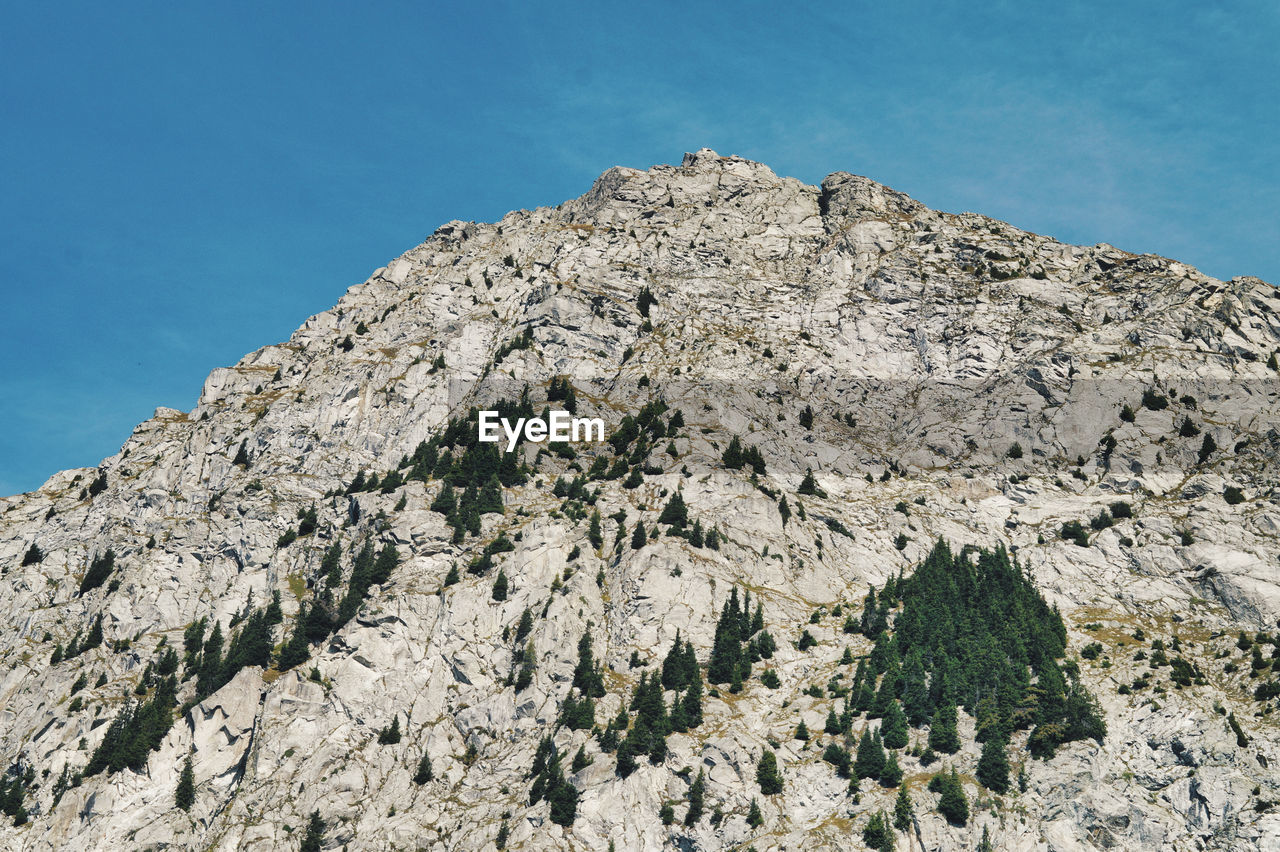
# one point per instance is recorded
(697, 792)
(185, 796)
(953, 804)
(314, 838)
(993, 766)
(943, 736)
(891, 775)
(675, 512)
(902, 809)
(424, 772)
(894, 729)
(871, 758)
(767, 774)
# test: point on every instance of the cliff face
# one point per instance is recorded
(942, 376)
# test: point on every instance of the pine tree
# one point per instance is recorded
(902, 810)
(586, 677)
(675, 512)
(561, 795)
(767, 774)
(697, 791)
(755, 819)
(390, 735)
(490, 497)
(386, 562)
(894, 729)
(638, 538)
(675, 675)
(953, 804)
(871, 758)
(891, 775)
(993, 766)
(732, 456)
(726, 648)
(210, 662)
(500, 586)
(1207, 448)
(692, 703)
(696, 537)
(594, 535)
(985, 844)
(445, 502)
(185, 796)
(876, 831)
(915, 689)
(315, 834)
(802, 731)
(784, 510)
(297, 649)
(943, 736)
(424, 772)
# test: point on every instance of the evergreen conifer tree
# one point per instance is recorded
(755, 819)
(390, 735)
(895, 727)
(697, 791)
(692, 703)
(871, 758)
(891, 775)
(586, 677)
(767, 774)
(424, 772)
(953, 804)
(943, 736)
(388, 559)
(993, 766)
(902, 809)
(675, 513)
(315, 834)
(185, 796)
(594, 535)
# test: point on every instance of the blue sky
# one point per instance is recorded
(179, 186)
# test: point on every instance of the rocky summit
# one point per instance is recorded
(908, 530)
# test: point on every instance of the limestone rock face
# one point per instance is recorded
(966, 380)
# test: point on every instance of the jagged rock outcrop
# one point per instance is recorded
(965, 380)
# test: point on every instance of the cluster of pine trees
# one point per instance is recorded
(740, 641)
(136, 731)
(561, 390)
(735, 457)
(523, 340)
(972, 631)
(12, 793)
(473, 472)
(977, 633)
(322, 617)
(549, 783)
(99, 569)
(76, 647)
